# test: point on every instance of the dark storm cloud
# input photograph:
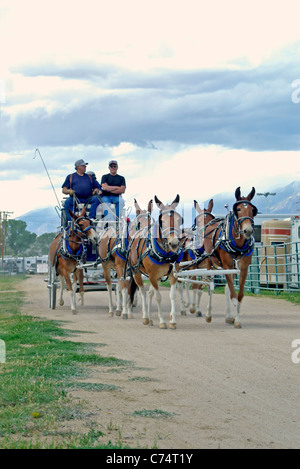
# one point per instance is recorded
(249, 109)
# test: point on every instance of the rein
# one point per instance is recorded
(65, 250)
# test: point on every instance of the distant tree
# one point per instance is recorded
(19, 241)
(41, 244)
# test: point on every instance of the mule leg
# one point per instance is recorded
(151, 292)
(242, 281)
(172, 322)
(188, 298)
(106, 273)
(162, 322)
(79, 275)
(71, 293)
(199, 295)
(228, 317)
(61, 293)
(182, 305)
(145, 315)
(125, 303)
(118, 299)
(110, 300)
(230, 295)
(194, 295)
(209, 305)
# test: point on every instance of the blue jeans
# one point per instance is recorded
(94, 202)
(112, 199)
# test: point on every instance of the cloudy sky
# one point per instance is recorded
(191, 97)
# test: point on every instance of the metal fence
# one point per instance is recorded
(274, 267)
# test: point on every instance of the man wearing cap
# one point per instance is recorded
(84, 187)
(113, 186)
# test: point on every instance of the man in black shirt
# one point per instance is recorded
(113, 186)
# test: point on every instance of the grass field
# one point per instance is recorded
(39, 371)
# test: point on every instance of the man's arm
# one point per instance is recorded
(113, 189)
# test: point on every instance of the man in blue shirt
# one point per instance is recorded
(113, 186)
(84, 187)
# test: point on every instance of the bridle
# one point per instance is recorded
(78, 230)
(240, 220)
(141, 216)
(169, 230)
(166, 232)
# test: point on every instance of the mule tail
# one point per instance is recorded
(133, 288)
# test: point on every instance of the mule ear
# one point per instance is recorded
(158, 202)
(251, 194)
(238, 193)
(73, 215)
(137, 207)
(196, 205)
(83, 211)
(150, 206)
(210, 205)
(176, 201)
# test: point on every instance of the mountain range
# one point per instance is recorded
(284, 200)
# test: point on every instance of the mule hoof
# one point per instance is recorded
(130, 316)
(110, 314)
(192, 310)
(118, 313)
(61, 302)
(183, 313)
(208, 318)
(163, 325)
(124, 316)
(146, 321)
(229, 320)
(151, 323)
(199, 314)
(172, 325)
(237, 325)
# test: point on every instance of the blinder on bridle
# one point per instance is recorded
(79, 228)
(245, 202)
(170, 213)
(204, 214)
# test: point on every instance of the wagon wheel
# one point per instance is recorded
(52, 286)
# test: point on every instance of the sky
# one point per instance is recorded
(191, 97)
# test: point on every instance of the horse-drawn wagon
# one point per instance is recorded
(156, 249)
(85, 258)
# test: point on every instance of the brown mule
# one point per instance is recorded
(229, 244)
(153, 252)
(193, 241)
(65, 253)
(112, 250)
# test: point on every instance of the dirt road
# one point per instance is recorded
(209, 385)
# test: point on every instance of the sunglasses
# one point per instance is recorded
(113, 166)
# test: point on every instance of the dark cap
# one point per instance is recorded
(113, 162)
(80, 163)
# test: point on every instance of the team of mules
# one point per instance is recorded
(156, 249)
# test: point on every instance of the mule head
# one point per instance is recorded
(143, 217)
(204, 214)
(245, 211)
(170, 223)
(84, 227)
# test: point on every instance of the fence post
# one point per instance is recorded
(255, 274)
